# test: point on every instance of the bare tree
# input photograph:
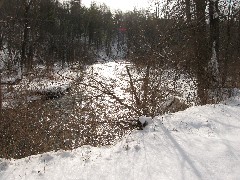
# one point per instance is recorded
(188, 10)
(201, 50)
(227, 56)
(27, 6)
(214, 41)
(239, 28)
(1, 43)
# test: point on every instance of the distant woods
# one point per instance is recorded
(201, 38)
(46, 31)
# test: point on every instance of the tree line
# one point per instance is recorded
(47, 31)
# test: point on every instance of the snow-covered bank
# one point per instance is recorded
(32, 87)
(198, 143)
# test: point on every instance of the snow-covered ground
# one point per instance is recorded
(114, 75)
(201, 142)
(59, 81)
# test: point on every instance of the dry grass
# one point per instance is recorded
(72, 121)
(43, 126)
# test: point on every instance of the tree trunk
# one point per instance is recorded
(201, 51)
(1, 45)
(225, 64)
(214, 24)
(25, 34)
(214, 42)
(239, 29)
(0, 95)
(188, 10)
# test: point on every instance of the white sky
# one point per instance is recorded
(124, 5)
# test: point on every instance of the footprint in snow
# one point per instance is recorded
(108, 158)
(46, 158)
(3, 166)
(137, 147)
(65, 155)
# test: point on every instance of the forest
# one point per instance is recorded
(179, 42)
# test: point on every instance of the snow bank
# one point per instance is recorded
(198, 143)
(62, 81)
(51, 86)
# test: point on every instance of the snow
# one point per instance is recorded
(201, 142)
(147, 120)
(59, 81)
(114, 77)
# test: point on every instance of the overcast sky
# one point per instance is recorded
(124, 5)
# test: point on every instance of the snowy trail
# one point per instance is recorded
(198, 143)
